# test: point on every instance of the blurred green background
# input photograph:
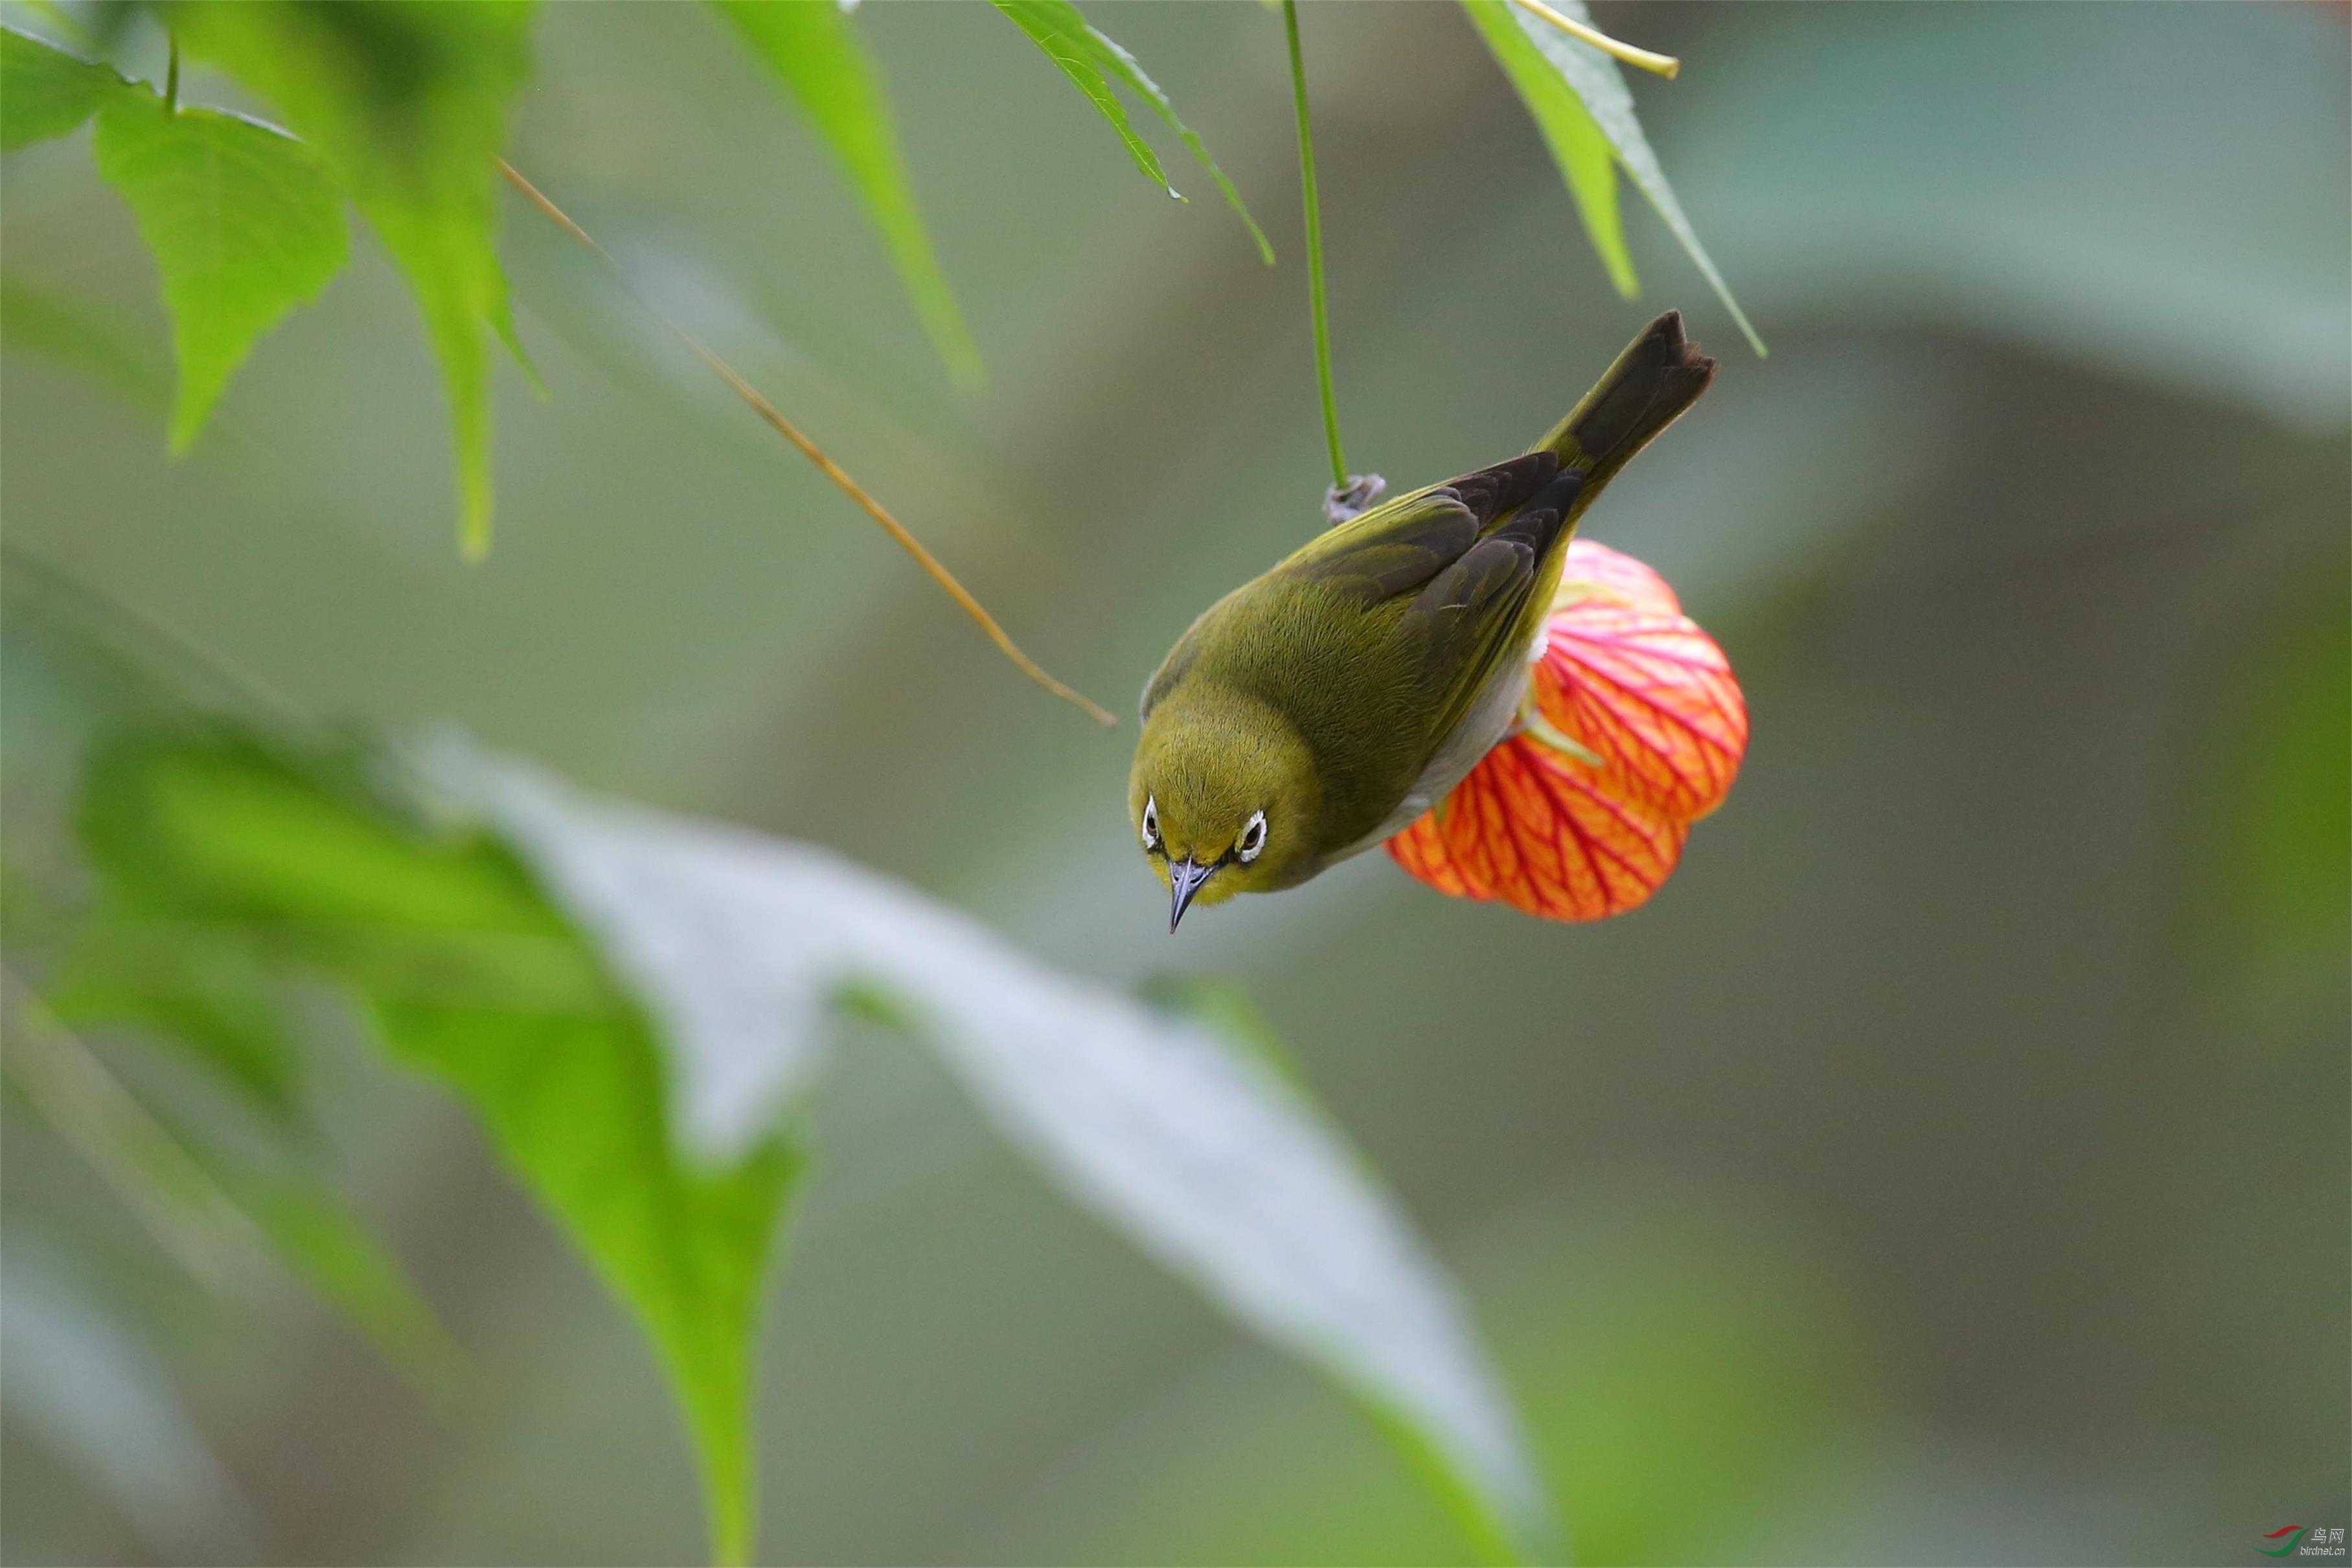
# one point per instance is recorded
(1950, 1165)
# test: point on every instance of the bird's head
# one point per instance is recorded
(1223, 798)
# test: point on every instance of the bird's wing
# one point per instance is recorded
(1397, 547)
(1474, 612)
(1389, 550)
(1457, 627)
(1412, 546)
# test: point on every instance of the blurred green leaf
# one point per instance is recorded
(2274, 902)
(1088, 57)
(204, 989)
(1689, 1364)
(647, 1122)
(150, 1167)
(45, 91)
(1225, 1008)
(1578, 145)
(472, 976)
(334, 1253)
(244, 224)
(1594, 79)
(220, 1216)
(813, 50)
(406, 103)
(77, 334)
(1208, 1160)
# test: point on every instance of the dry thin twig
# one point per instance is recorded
(810, 450)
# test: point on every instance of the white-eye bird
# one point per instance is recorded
(1319, 709)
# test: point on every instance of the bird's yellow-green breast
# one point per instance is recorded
(1321, 707)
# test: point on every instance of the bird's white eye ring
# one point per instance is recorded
(1151, 822)
(1252, 837)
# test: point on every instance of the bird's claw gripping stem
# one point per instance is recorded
(1345, 503)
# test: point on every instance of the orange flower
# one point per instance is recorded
(1638, 733)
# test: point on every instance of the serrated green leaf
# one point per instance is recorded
(1578, 145)
(1090, 60)
(813, 50)
(472, 976)
(244, 224)
(1596, 81)
(45, 91)
(406, 103)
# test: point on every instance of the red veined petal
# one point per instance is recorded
(1649, 694)
(1592, 570)
(1420, 850)
(1630, 678)
(1541, 833)
(1535, 830)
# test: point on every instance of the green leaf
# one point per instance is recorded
(1594, 79)
(406, 103)
(77, 334)
(1088, 57)
(1225, 1010)
(45, 91)
(244, 224)
(741, 946)
(203, 989)
(472, 976)
(323, 1242)
(2272, 919)
(217, 1215)
(813, 50)
(1578, 145)
(632, 1001)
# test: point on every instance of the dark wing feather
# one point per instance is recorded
(1491, 492)
(1391, 549)
(1475, 610)
(1396, 548)
(1452, 623)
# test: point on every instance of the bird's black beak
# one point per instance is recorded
(1184, 880)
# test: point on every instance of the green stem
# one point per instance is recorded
(1314, 249)
(171, 78)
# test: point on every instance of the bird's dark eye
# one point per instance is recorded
(1150, 823)
(1252, 837)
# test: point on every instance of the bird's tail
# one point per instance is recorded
(1660, 374)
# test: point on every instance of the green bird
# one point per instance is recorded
(1319, 709)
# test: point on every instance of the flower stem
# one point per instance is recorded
(816, 454)
(1314, 249)
(171, 75)
(1664, 65)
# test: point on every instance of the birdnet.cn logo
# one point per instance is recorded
(2305, 1540)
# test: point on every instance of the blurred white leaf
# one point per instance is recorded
(738, 945)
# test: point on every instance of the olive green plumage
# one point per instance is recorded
(1321, 707)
